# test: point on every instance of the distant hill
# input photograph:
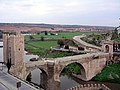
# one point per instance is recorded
(39, 27)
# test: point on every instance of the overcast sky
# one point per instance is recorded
(80, 12)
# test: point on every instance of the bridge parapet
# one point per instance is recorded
(35, 63)
(81, 57)
(90, 87)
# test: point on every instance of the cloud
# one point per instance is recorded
(58, 11)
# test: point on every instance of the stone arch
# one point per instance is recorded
(33, 68)
(107, 48)
(83, 70)
(43, 76)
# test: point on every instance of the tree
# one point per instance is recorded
(38, 33)
(61, 42)
(72, 68)
(31, 37)
(46, 33)
(8, 64)
(93, 41)
(115, 34)
(42, 38)
(1, 35)
(66, 46)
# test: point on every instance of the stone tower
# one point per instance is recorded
(107, 47)
(13, 50)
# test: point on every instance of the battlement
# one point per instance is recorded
(90, 87)
(13, 35)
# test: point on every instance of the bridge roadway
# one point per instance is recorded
(64, 59)
(81, 42)
(8, 82)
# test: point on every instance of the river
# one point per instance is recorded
(66, 82)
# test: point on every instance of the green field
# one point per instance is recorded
(42, 48)
(48, 44)
(60, 35)
(43, 44)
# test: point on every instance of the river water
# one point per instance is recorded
(66, 82)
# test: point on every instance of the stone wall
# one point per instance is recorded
(13, 47)
(94, 62)
(90, 87)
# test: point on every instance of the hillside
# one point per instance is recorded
(51, 27)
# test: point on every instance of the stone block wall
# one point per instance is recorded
(90, 87)
(13, 47)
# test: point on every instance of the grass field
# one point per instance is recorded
(60, 35)
(42, 48)
(43, 44)
(48, 44)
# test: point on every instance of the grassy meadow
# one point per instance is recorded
(42, 48)
(66, 35)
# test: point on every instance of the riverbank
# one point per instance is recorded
(110, 73)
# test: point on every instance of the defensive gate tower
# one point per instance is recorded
(13, 50)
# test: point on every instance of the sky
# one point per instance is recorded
(72, 12)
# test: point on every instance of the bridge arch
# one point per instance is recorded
(107, 48)
(33, 68)
(43, 76)
(82, 74)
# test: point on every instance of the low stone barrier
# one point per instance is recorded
(110, 62)
(90, 87)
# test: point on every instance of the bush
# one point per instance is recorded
(61, 42)
(110, 73)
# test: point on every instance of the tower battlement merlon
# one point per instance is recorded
(17, 34)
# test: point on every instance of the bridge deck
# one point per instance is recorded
(64, 59)
(80, 57)
(77, 38)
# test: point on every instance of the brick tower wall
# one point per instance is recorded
(13, 47)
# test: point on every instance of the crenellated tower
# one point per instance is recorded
(13, 48)
(13, 51)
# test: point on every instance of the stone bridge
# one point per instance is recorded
(90, 64)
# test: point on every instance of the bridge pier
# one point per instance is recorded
(43, 80)
(53, 85)
(48, 82)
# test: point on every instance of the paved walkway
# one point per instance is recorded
(8, 82)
